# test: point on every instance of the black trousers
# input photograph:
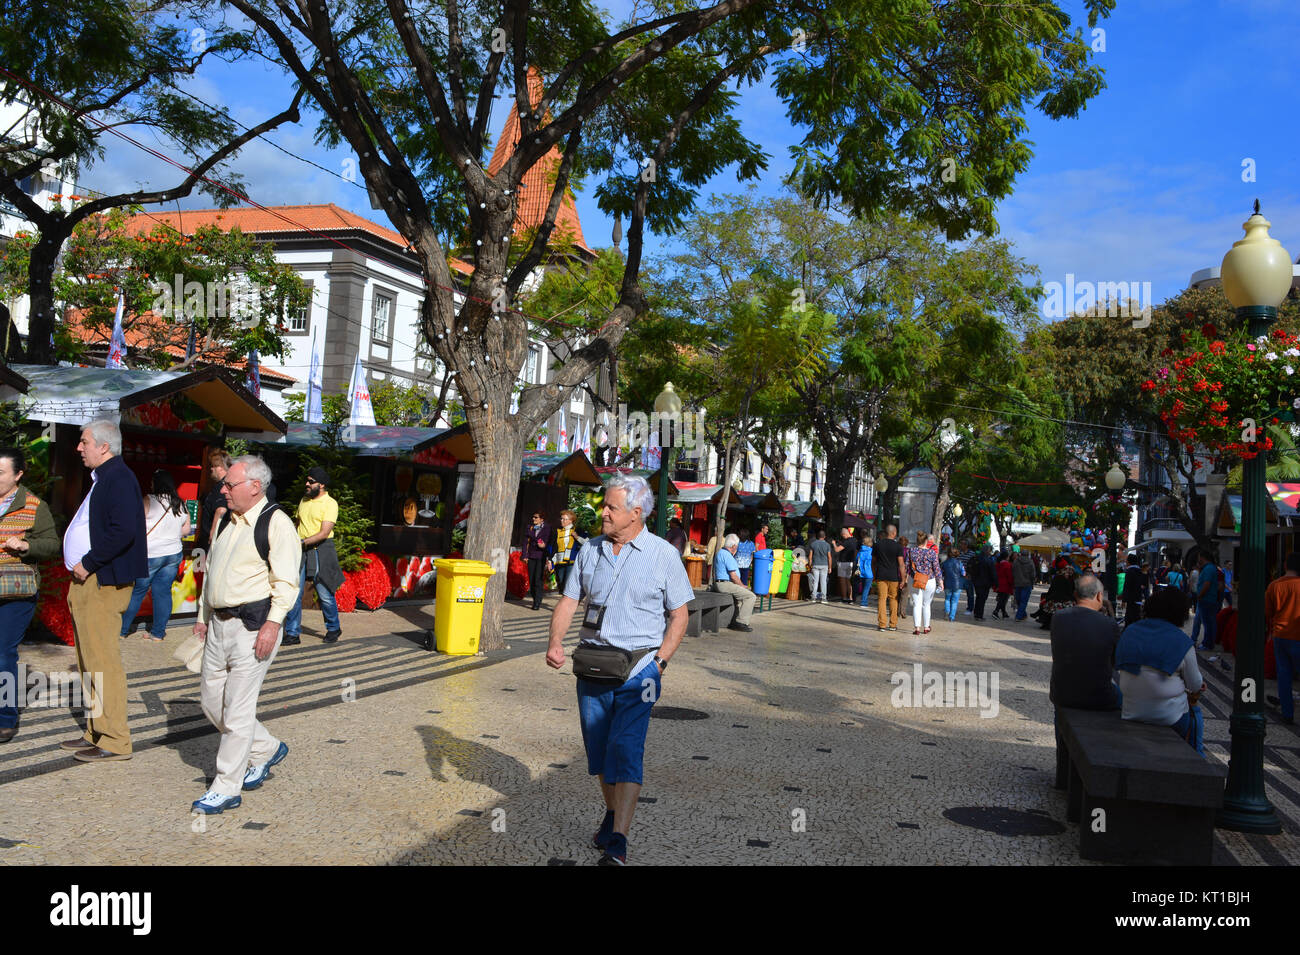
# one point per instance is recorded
(1002, 604)
(1132, 611)
(981, 598)
(536, 579)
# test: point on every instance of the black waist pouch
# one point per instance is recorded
(252, 616)
(601, 663)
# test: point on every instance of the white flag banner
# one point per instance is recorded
(254, 381)
(117, 346)
(315, 386)
(363, 413)
(564, 433)
(652, 454)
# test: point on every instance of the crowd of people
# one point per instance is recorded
(121, 544)
(1147, 667)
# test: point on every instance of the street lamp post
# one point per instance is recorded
(882, 519)
(1256, 276)
(1115, 478)
(666, 404)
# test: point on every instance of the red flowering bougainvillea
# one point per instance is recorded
(367, 588)
(1225, 387)
(52, 603)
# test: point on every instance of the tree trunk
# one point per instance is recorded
(721, 524)
(839, 471)
(940, 508)
(40, 290)
(498, 458)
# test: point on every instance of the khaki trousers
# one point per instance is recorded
(745, 599)
(231, 682)
(887, 602)
(97, 624)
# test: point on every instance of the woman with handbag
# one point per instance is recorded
(27, 536)
(923, 571)
(167, 522)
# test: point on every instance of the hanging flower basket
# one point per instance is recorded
(1223, 389)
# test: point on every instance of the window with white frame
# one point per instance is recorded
(529, 373)
(382, 317)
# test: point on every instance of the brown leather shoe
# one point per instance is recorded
(7, 733)
(97, 755)
(75, 744)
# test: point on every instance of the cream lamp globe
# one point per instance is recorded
(1256, 270)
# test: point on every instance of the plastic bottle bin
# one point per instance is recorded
(762, 572)
(778, 570)
(786, 570)
(458, 606)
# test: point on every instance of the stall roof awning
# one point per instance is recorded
(368, 440)
(576, 467)
(11, 379)
(688, 492)
(1228, 523)
(455, 441)
(75, 395)
(801, 510)
(855, 520)
(760, 502)
(1050, 539)
(651, 476)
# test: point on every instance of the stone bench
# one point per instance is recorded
(1139, 793)
(710, 612)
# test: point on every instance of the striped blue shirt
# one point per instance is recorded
(638, 587)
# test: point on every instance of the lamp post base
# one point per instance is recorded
(1245, 806)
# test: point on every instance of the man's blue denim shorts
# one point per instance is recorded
(614, 723)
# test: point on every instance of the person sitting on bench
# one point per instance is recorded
(1159, 678)
(726, 580)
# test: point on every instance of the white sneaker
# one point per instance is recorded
(213, 802)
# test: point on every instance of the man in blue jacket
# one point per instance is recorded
(104, 548)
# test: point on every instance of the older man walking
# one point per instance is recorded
(104, 548)
(636, 591)
(250, 588)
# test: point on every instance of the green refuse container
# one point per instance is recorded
(785, 572)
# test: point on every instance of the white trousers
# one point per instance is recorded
(921, 604)
(231, 681)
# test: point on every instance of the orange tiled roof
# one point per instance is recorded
(538, 181)
(272, 219)
(144, 329)
(277, 219)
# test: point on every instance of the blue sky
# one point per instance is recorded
(1145, 185)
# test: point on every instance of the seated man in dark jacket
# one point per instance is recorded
(104, 548)
(1083, 657)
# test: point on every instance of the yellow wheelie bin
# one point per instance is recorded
(458, 606)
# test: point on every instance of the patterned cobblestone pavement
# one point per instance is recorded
(781, 746)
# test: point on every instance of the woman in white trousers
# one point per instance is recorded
(923, 560)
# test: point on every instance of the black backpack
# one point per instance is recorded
(261, 530)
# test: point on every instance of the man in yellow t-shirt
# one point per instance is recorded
(317, 515)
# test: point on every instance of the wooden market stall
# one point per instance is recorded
(412, 475)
